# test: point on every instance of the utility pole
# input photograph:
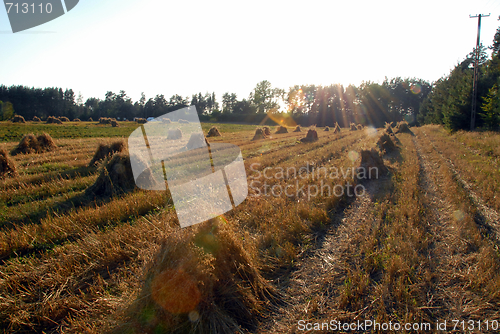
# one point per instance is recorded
(476, 71)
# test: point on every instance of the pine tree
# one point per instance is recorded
(491, 109)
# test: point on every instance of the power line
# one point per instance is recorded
(476, 71)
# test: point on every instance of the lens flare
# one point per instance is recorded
(194, 316)
(370, 131)
(176, 291)
(353, 155)
(416, 88)
(458, 215)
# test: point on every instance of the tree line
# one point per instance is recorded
(370, 103)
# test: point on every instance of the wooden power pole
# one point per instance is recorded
(476, 71)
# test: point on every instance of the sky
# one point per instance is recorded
(185, 47)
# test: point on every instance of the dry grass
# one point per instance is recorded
(371, 160)
(174, 134)
(259, 134)
(213, 132)
(196, 140)
(106, 120)
(32, 144)
(18, 119)
(385, 143)
(311, 136)
(105, 150)
(7, 167)
(402, 127)
(53, 120)
(207, 273)
(336, 129)
(116, 178)
(281, 129)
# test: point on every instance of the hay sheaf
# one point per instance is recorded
(402, 127)
(281, 129)
(32, 144)
(312, 135)
(386, 144)
(76, 120)
(105, 150)
(267, 130)
(203, 274)
(64, 119)
(36, 119)
(297, 129)
(359, 127)
(166, 120)
(106, 120)
(183, 121)
(259, 134)
(352, 127)
(7, 166)
(326, 128)
(141, 120)
(174, 134)
(116, 178)
(18, 119)
(53, 120)
(91, 119)
(115, 124)
(214, 132)
(388, 130)
(196, 141)
(372, 165)
(336, 129)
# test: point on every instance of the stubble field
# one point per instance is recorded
(418, 244)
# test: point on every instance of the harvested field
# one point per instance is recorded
(413, 239)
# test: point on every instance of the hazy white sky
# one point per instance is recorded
(185, 47)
